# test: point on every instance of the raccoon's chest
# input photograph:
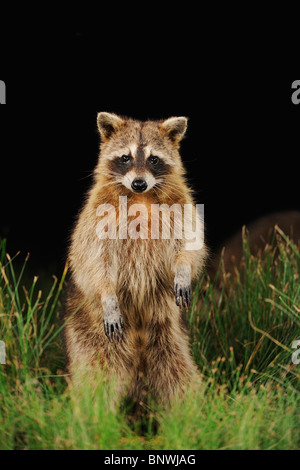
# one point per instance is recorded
(145, 265)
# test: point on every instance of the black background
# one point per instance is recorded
(241, 149)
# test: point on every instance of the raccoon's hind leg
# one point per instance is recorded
(83, 334)
(169, 362)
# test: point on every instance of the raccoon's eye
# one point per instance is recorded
(154, 160)
(125, 158)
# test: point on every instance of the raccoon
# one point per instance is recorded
(125, 297)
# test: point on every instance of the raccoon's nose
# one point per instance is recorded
(139, 185)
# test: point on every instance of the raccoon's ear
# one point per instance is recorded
(175, 127)
(108, 123)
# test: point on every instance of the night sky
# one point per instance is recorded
(241, 148)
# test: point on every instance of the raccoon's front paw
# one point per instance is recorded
(113, 322)
(182, 285)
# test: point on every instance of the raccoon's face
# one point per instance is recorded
(139, 155)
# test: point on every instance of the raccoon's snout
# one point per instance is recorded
(139, 185)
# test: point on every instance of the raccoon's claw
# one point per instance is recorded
(182, 285)
(114, 330)
(113, 322)
(185, 293)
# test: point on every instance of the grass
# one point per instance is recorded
(242, 334)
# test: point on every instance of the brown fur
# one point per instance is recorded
(154, 352)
